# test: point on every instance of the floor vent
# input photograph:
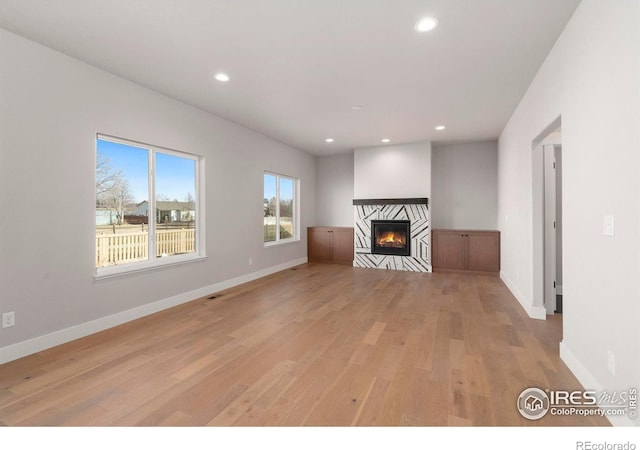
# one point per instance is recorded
(214, 296)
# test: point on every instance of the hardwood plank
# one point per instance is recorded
(415, 407)
(374, 333)
(437, 404)
(239, 406)
(340, 404)
(268, 406)
(459, 401)
(371, 406)
(455, 421)
(194, 367)
(177, 419)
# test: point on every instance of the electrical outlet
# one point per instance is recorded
(8, 319)
(250, 261)
(611, 362)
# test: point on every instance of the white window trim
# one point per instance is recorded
(296, 210)
(155, 262)
(144, 266)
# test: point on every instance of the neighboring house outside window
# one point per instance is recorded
(280, 208)
(167, 212)
(132, 180)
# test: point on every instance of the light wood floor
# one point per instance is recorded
(317, 345)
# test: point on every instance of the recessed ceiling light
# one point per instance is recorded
(440, 127)
(329, 140)
(385, 140)
(221, 76)
(426, 24)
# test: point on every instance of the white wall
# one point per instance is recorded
(591, 78)
(51, 107)
(464, 185)
(393, 171)
(334, 190)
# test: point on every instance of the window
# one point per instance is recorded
(147, 206)
(279, 208)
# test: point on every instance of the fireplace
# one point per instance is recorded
(401, 216)
(391, 237)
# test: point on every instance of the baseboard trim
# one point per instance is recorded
(534, 312)
(466, 272)
(44, 342)
(588, 381)
(538, 312)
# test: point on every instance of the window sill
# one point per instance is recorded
(146, 266)
(279, 243)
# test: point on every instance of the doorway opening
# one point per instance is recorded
(547, 221)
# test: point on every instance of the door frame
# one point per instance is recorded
(551, 226)
(550, 136)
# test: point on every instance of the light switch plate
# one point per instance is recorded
(609, 226)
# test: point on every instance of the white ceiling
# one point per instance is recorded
(298, 66)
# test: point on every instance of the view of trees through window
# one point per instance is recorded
(279, 204)
(128, 195)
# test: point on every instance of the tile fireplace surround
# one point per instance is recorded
(416, 210)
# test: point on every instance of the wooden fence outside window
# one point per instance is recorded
(112, 249)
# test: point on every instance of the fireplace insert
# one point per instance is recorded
(391, 237)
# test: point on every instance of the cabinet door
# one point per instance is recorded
(320, 244)
(483, 251)
(343, 246)
(448, 250)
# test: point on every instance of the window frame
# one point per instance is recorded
(296, 209)
(155, 262)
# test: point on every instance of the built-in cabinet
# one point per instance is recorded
(465, 250)
(330, 244)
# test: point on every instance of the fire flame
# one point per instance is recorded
(391, 238)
